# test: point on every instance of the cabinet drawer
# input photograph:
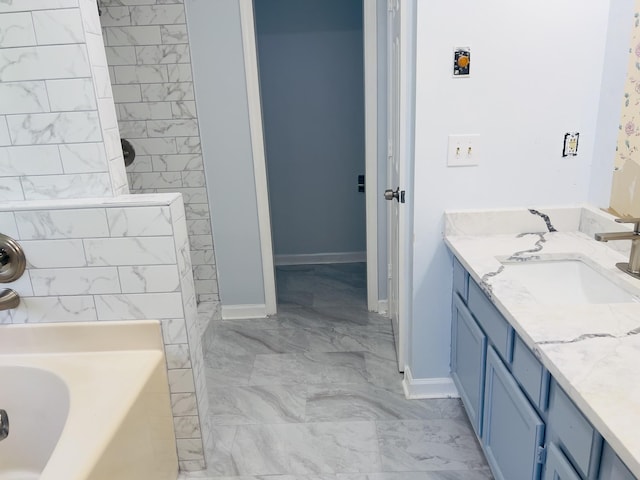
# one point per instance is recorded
(530, 374)
(460, 280)
(491, 321)
(573, 432)
(612, 467)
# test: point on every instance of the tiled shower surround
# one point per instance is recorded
(94, 252)
(57, 119)
(147, 47)
(122, 258)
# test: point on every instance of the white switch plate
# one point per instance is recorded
(464, 150)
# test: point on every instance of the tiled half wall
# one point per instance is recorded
(149, 60)
(121, 258)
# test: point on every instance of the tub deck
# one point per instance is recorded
(119, 423)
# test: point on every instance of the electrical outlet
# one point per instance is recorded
(464, 150)
(570, 148)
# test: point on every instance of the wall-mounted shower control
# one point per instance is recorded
(12, 259)
(4, 424)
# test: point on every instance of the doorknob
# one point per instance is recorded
(391, 194)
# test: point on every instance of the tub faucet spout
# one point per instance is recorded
(4, 424)
(633, 266)
(9, 299)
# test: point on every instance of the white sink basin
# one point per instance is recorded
(557, 282)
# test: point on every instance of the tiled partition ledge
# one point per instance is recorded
(119, 258)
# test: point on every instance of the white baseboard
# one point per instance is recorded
(315, 258)
(236, 312)
(416, 388)
(383, 307)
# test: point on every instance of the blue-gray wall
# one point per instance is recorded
(312, 84)
(221, 96)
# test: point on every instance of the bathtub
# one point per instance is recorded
(86, 401)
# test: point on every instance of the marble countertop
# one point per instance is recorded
(592, 350)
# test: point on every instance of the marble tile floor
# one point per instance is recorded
(314, 393)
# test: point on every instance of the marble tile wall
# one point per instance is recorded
(58, 128)
(118, 258)
(147, 47)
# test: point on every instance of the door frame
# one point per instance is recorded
(258, 148)
(370, 54)
(370, 32)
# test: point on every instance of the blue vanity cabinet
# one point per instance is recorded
(557, 467)
(469, 347)
(512, 431)
(528, 427)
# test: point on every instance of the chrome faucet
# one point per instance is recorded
(633, 266)
(4, 424)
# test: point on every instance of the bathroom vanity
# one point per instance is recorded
(546, 346)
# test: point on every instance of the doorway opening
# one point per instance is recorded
(378, 153)
(311, 70)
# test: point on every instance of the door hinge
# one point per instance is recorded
(389, 149)
(390, 5)
(541, 454)
(389, 270)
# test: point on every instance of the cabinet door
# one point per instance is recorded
(468, 352)
(512, 432)
(612, 467)
(557, 466)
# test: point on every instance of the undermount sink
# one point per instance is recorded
(555, 282)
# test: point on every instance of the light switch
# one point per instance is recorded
(464, 150)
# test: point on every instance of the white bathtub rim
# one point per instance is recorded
(71, 456)
(116, 358)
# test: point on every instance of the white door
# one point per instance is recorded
(395, 194)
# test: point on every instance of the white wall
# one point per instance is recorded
(311, 79)
(219, 77)
(536, 73)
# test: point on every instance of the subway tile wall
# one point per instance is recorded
(124, 258)
(147, 47)
(58, 127)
